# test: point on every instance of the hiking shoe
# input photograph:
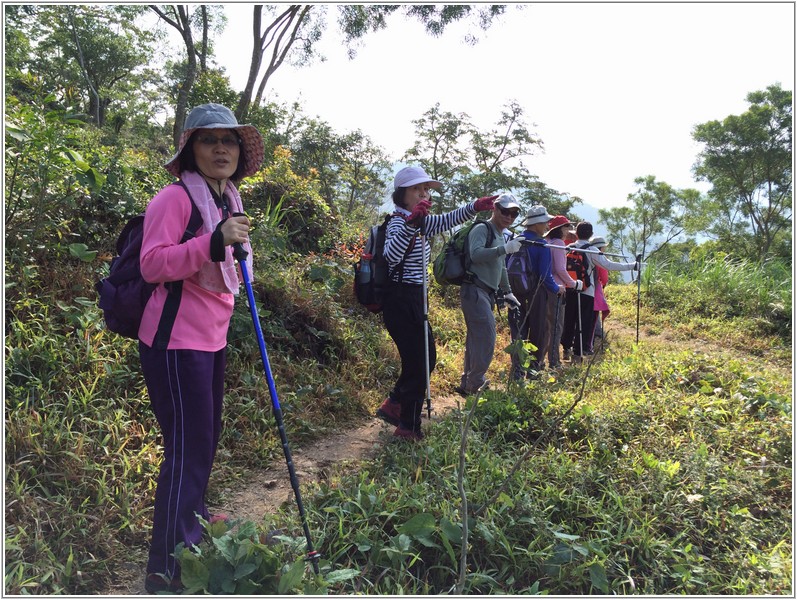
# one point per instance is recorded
(155, 583)
(461, 391)
(568, 354)
(408, 434)
(389, 411)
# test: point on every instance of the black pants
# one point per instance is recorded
(532, 323)
(570, 339)
(404, 318)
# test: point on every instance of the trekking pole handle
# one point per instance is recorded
(238, 251)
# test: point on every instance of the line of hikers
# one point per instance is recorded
(186, 255)
(548, 306)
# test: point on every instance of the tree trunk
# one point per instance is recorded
(287, 23)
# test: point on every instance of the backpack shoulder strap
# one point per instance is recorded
(175, 288)
(195, 220)
(400, 267)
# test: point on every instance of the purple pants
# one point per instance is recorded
(186, 390)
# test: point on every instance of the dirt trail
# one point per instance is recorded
(265, 491)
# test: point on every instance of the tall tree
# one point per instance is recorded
(290, 32)
(747, 159)
(184, 21)
(87, 55)
(471, 162)
(441, 149)
(656, 217)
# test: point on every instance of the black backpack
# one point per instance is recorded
(124, 294)
(372, 272)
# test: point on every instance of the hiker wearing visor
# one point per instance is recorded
(184, 366)
(477, 297)
(404, 306)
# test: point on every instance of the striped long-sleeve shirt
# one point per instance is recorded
(400, 234)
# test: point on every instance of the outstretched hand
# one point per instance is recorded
(484, 203)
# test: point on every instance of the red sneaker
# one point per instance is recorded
(408, 434)
(389, 411)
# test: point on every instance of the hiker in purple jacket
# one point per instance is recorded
(184, 367)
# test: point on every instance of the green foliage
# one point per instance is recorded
(306, 217)
(637, 492)
(748, 160)
(471, 162)
(723, 287)
(235, 559)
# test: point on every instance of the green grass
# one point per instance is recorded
(671, 476)
(679, 484)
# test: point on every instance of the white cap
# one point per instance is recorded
(507, 201)
(410, 176)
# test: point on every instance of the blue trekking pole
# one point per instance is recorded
(240, 255)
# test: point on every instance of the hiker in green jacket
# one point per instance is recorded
(477, 296)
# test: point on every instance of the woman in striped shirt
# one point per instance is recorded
(404, 303)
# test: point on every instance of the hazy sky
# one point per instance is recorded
(613, 90)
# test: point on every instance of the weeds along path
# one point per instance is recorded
(265, 491)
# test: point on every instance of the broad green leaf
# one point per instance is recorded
(82, 252)
(451, 531)
(293, 578)
(597, 576)
(341, 575)
(420, 525)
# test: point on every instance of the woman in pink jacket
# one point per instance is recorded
(601, 307)
(183, 333)
(558, 228)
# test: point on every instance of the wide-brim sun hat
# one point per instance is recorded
(556, 222)
(536, 214)
(216, 116)
(410, 176)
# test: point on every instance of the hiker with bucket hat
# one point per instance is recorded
(538, 290)
(577, 331)
(184, 366)
(407, 245)
(558, 228)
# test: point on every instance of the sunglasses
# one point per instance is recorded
(228, 141)
(509, 212)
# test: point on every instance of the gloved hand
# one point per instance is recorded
(419, 213)
(579, 285)
(636, 266)
(511, 300)
(513, 246)
(485, 203)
